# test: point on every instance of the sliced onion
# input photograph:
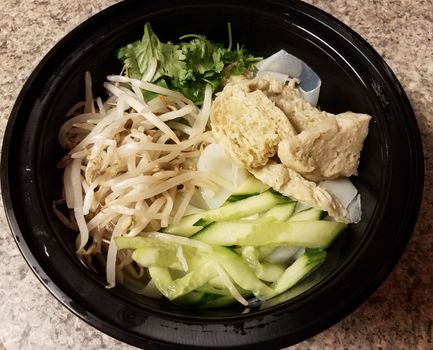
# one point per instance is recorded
(346, 193)
(215, 160)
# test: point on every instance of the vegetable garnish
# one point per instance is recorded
(186, 66)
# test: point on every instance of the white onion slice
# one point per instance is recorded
(215, 160)
(282, 62)
(354, 212)
(347, 194)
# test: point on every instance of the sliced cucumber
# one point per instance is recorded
(280, 212)
(173, 289)
(217, 283)
(240, 273)
(250, 186)
(309, 234)
(163, 257)
(191, 224)
(244, 207)
(207, 288)
(265, 271)
(138, 242)
(302, 267)
(308, 215)
(185, 227)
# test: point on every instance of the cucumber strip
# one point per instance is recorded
(173, 289)
(308, 215)
(163, 257)
(138, 242)
(240, 273)
(280, 212)
(191, 224)
(250, 186)
(217, 283)
(265, 271)
(302, 267)
(244, 207)
(308, 234)
(185, 227)
(207, 288)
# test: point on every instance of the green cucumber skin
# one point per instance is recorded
(242, 208)
(250, 187)
(308, 234)
(308, 215)
(300, 269)
(191, 224)
(138, 242)
(264, 270)
(163, 257)
(240, 273)
(185, 227)
(280, 212)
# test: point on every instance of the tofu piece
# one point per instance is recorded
(326, 146)
(301, 114)
(328, 150)
(249, 124)
(291, 184)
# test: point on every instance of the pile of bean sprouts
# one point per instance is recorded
(131, 170)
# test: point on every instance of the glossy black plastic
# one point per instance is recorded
(354, 78)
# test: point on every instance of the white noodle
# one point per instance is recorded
(124, 174)
(78, 202)
(189, 191)
(181, 127)
(112, 251)
(150, 87)
(167, 209)
(203, 117)
(144, 110)
(88, 197)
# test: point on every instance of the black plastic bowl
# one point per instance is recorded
(354, 78)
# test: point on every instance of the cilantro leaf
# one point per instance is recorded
(187, 66)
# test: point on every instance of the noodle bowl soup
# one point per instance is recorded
(148, 197)
(185, 200)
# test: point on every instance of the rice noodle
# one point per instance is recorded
(189, 191)
(144, 110)
(112, 251)
(203, 116)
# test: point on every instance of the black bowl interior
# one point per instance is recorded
(353, 78)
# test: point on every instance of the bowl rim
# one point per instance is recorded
(131, 337)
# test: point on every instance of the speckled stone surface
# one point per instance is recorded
(398, 316)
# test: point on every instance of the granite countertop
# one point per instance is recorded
(400, 313)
